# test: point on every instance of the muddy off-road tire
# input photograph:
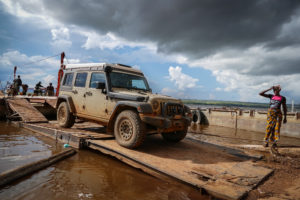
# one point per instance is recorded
(129, 130)
(174, 136)
(64, 117)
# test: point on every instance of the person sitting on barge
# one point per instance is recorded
(38, 89)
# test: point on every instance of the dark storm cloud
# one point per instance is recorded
(276, 67)
(195, 28)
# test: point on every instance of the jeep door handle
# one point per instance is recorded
(74, 91)
(89, 93)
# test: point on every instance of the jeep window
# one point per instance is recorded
(129, 81)
(68, 79)
(80, 80)
(97, 78)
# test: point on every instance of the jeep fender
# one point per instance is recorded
(69, 101)
(140, 107)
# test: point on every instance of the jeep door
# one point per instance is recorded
(79, 91)
(95, 99)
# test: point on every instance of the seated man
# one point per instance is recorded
(38, 89)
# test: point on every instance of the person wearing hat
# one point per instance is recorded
(274, 116)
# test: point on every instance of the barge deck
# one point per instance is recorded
(223, 174)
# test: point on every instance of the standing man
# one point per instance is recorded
(274, 115)
(17, 84)
(50, 90)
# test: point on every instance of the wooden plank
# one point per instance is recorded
(37, 101)
(74, 136)
(26, 111)
(87, 130)
(51, 102)
(221, 174)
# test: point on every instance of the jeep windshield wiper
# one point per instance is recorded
(132, 88)
(115, 86)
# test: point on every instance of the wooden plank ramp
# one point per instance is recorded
(221, 174)
(25, 110)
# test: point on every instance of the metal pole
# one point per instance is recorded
(15, 70)
(60, 72)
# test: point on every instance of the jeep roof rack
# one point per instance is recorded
(124, 65)
(84, 65)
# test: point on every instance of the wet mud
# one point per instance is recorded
(284, 183)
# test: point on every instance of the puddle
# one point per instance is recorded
(20, 146)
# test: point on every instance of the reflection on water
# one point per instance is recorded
(87, 175)
(19, 146)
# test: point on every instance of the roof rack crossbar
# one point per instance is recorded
(124, 65)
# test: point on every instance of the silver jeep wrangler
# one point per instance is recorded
(119, 98)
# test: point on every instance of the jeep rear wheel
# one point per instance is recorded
(129, 130)
(64, 117)
(174, 136)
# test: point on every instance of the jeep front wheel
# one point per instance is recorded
(174, 136)
(64, 117)
(129, 130)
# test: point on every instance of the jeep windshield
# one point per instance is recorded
(128, 81)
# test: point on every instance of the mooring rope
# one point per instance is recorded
(42, 59)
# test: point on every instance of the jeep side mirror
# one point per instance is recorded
(100, 85)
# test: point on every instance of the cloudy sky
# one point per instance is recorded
(199, 49)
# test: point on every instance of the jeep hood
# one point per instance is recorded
(147, 96)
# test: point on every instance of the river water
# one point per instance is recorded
(86, 175)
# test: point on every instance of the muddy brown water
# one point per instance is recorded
(19, 146)
(87, 175)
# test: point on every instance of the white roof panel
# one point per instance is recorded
(69, 66)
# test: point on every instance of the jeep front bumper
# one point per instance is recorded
(167, 124)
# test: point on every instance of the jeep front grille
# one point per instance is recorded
(171, 109)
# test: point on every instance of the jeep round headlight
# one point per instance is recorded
(155, 105)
